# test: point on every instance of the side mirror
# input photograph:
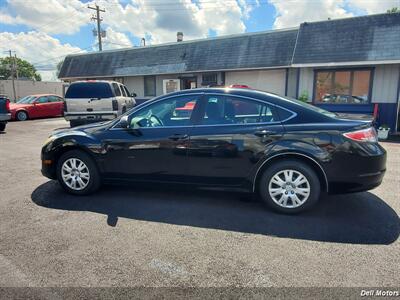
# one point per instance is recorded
(124, 122)
(133, 95)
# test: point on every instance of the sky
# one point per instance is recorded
(45, 31)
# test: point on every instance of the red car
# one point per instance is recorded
(37, 106)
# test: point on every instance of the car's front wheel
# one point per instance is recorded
(21, 116)
(290, 186)
(77, 173)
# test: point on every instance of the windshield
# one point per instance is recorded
(26, 99)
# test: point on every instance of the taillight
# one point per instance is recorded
(115, 105)
(7, 105)
(363, 135)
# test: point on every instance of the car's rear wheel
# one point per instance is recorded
(21, 116)
(2, 126)
(77, 173)
(290, 186)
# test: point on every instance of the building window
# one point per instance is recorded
(209, 79)
(342, 86)
(149, 86)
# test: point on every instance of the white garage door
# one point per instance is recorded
(265, 80)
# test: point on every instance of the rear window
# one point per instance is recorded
(89, 90)
(315, 108)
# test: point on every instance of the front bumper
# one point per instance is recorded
(5, 117)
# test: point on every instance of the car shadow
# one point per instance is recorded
(360, 218)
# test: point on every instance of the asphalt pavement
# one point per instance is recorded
(135, 236)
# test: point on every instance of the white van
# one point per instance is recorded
(96, 100)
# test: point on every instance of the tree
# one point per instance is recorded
(24, 68)
(393, 10)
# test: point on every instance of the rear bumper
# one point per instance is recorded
(357, 173)
(362, 183)
(91, 116)
(5, 117)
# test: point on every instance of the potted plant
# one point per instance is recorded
(304, 96)
(383, 132)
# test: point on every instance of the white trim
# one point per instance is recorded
(350, 63)
(177, 73)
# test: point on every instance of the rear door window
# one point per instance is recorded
(222, 109)
(89, 90)
(43, 99)
(117, 91)
(55, 99)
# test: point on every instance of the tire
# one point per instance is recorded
(87, 184)
(21, 116)
(2, 126)
(74, 123)
(289, 196)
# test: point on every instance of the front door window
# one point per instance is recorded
(171, 112)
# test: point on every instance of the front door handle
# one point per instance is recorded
(176, 137)
(264, 132)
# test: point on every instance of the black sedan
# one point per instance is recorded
(285, 150)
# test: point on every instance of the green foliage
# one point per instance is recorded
(25, 69)
(393, 10)
(304, 96)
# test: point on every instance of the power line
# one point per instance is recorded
(98, 19)
(57, 57)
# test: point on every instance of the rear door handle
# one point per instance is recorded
(176, 137)
(264, 132)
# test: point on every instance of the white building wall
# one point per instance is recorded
(306, 82)
(385, 84)
(265, 80)
(135, 85)
(27, 87)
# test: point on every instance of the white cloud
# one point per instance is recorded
(50, 16)
(115, 40)
(292, 13)
(373, 7)
(40, 49)
(159, 22)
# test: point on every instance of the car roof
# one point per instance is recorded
(95, 81)
(40, 95)
(252, 93)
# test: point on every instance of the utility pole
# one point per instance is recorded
(16, 66)
(98, 19)
(12, 68)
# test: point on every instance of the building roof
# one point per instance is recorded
(360, 39)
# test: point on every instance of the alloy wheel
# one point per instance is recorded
(289, 188)
(75, 174)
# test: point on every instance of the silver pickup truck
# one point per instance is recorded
(96, 100)
(5, 114)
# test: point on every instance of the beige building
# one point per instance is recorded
(28, 87)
